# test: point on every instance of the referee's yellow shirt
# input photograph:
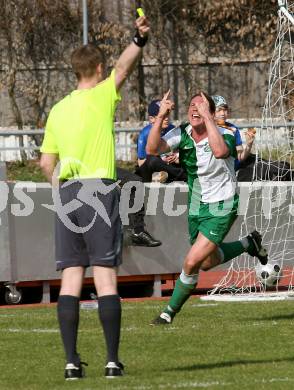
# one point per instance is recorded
(80, 129)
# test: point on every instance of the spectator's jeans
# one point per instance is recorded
(156, 164)
(136, 219)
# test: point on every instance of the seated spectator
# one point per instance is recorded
(221, 116)
(138, 235)
(249, 166)
(167, 165)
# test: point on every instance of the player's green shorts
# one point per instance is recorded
(213, 220)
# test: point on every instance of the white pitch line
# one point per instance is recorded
(149, 307)
(17, 330)
(190, 385)
(272, 380)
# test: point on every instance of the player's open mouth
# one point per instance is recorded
(194, 116)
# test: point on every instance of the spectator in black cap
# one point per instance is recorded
(167, 165)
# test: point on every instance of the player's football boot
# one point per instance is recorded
(73, 372)
(256, 248)
(163, 319)
(113, 369)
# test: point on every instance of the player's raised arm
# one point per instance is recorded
(155, 144)
(131, 54)
(215, 139)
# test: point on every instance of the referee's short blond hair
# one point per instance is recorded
(85, 59)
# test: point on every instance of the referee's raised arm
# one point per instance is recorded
(130, 55)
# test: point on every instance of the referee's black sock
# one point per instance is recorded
(68, 316)
(109, 309)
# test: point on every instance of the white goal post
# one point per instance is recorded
(270, 206)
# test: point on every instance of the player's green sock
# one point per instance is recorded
(181, 293)
(230, 250)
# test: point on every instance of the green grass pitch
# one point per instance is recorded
(209, 345)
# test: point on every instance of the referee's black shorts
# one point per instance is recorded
(88, 229)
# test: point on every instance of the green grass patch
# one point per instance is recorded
(209, 345)
(278, 154)
(31, 171)
(129, 165)
(27, 171)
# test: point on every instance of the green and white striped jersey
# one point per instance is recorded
(210, 179)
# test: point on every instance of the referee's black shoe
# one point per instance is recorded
(73, 372)
(256, 248)
(113, 369)
(144, 239)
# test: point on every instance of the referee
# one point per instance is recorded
(80, 134)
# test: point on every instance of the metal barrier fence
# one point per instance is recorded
(126, 140)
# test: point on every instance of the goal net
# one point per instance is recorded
(269, 206)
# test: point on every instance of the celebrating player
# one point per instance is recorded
(207, 153)
(79, 132)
